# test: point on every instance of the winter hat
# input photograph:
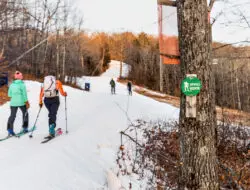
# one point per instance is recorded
(18, 75)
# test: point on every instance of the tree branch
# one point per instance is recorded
(244, 18)
(131, 139)
(230, 44)
(167, 3)
(211, 4)
(216, 17)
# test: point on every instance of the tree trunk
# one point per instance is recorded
(161, 74)
(232, 85)
(58, 72)
(248, 95)
(45, 54)
(198, 161)
(238, 94)
(121, 56)
(64, 57)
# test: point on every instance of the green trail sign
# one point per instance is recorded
(191, 86)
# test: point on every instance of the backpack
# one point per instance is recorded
(49, 86)
(129, 85)
(112, 83)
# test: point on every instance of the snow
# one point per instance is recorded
(113, 182)
(83, 158)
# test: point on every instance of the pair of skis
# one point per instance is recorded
(47, 139)
(18, 135)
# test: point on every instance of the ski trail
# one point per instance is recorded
(77, 160)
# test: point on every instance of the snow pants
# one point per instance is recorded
(13, 111)
(112, 89)
(52, 104)
(130, 92)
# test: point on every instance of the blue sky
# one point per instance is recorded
(141, 15)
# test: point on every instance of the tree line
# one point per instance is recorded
(65, 48)
(230, 68)
(40, 36)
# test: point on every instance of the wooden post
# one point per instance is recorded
(191, 106)
(160, 41)
(191, 103)
(161, 74)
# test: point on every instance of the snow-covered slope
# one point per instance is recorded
(80, 159)
(114, 69)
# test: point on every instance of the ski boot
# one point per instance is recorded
(52, 131)
(11, 133)
(25, 130)
(59, 132)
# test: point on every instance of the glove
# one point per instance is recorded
(40, 104)
(65, 94)
(27, 104)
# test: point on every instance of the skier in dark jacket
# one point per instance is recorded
(129, 85)
(112, 84)
(50, 92)
(18, 99)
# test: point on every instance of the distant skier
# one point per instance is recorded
(18, 99)
(49, 91)
(129, 86)
(112, 84)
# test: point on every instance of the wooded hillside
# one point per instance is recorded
(36, 37)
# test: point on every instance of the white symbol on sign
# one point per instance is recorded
(186, 86)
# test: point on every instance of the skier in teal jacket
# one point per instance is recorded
(18, 99)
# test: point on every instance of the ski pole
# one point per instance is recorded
(66, 119)
(31, 135)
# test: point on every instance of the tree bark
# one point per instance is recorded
(58, 72)
(198, 161)
(238, 94)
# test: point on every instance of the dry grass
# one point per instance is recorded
(172, 100)
(3, 95)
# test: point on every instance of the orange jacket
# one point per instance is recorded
(58, 87)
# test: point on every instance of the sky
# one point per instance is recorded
(119, 15)
(141, 16)
(231, 25)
